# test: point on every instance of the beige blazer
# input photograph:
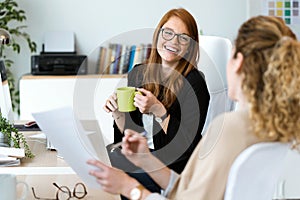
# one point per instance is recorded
(205, 175)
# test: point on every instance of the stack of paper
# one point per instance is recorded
(83, 137)
(10, 156)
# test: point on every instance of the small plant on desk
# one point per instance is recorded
(12, 134)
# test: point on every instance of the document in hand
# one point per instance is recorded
(75, 140)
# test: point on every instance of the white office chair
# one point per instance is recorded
(289, 181)
(214, 54)
(255, 172)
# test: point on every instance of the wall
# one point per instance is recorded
(258, 7)
(95, 21)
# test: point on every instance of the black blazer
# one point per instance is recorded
(187, 118)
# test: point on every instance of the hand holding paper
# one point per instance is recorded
(66, 132)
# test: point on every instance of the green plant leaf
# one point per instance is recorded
(17, 138)
(11, 19)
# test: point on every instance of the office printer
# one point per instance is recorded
(58, 64)
(58, 56)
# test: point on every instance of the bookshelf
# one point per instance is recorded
(117, 58)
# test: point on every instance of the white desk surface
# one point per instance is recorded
(46, 168)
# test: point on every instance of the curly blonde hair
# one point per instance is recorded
(271, 68)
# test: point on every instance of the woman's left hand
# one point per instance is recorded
(148, 103)
(112, 180)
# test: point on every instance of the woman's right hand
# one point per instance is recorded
(135, 148)
(112, 180)
(111, 104)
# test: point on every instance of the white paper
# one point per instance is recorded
(72, 142)
(11, 151)
(38, 136)
(5, 158)
(60, 41)
(7, 161)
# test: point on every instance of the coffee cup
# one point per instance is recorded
(8, 187)
(125, 96)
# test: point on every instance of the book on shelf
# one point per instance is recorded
(125, 53)
(118, 54)
(112, 58)
(148, 51)
(137, 55)
(131, 58)
(101, 60)
(108, 59)
(120, 58)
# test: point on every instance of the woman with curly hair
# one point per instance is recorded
(263, 77)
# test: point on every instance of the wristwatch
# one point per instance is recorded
(162, 118)
(137, 192)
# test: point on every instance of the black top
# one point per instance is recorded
(187, 118)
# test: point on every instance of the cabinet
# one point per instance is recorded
(85, 93)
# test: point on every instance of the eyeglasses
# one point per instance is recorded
(168, 34)
(64, 193)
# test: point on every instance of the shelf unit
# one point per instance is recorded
(87, 93)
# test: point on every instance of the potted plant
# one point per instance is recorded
(12, 137)
(11, 19)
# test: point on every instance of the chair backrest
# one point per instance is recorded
(255, 172)
(289, 181)
(214, 54)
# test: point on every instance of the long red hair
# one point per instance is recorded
(152, 78)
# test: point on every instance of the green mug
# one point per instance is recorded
(125, 96)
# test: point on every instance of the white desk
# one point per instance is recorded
(46, 168)
(86, 92)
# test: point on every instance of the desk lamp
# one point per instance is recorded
(4, 36)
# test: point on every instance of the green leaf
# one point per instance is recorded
(12, 19)
(17, 138)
